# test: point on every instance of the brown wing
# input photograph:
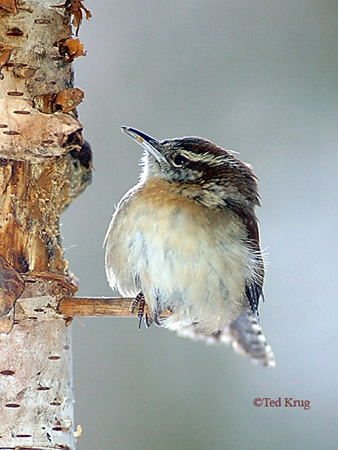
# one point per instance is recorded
(254, 288)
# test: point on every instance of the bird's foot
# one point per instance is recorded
(140, 303)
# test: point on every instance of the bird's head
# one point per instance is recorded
(202, 170)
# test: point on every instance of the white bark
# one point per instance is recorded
(44, 165)
(36, 395)
(36, 392)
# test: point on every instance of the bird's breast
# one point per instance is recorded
(181, 254)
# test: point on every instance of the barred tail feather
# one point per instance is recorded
(244, 335)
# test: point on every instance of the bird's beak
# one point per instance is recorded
(147, 142)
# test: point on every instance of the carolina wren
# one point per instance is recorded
(185, 239)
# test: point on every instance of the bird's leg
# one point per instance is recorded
(140, 303)
(136, 302)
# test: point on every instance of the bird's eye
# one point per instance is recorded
(179, 160)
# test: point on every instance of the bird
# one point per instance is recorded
(185, 240)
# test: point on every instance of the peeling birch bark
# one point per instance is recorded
(44, 166)
(37, 394)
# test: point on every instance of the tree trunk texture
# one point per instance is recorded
(44, 165)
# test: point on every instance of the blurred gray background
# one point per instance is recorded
(260, 78)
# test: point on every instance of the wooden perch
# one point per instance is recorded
(96, 306)
(99, 306)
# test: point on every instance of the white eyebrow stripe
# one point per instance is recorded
(209, 158)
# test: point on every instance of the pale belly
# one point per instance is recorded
(183, 257)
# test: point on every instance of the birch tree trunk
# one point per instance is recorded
(44, 165)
